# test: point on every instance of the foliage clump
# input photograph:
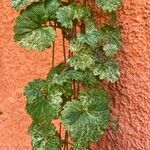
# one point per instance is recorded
(85, 116)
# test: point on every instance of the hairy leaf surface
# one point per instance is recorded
(90, 114)
(30, 30)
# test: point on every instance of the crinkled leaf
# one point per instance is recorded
(30, 31)
(111, 39)
(90, 114)
(108, 70)
(108, 5)
(67, 14)
(81, 61)
(18, 4)
(44, 137)
(42, 104)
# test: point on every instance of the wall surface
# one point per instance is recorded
(131, 94)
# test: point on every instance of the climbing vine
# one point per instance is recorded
(85, 114)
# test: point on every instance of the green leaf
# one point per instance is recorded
(90, 40)
(78, 43)
(55, 83)
(108, 70)
(108, 5)
(44, 137)
(67, 14)
(30, 31)
(18, 4)
(77, 146)
(88, 78)
(85, 78)
(92, 36)
(111, 40)
(42, 104)
(81, 61)
(110, 49)
(52, 7)
(58, 69)
(88, 118)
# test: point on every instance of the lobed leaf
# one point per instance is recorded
(44, 137)
(108, 70)
(90, 114)
(30, 30)
(90, 40)
(81, 61)
(67, 14)
(42, 104)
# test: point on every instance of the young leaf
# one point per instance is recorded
(44, 137)
(30, 31)
(108, 70)
(42, 105)
(18, 4)
(90, 114)
(108, 5)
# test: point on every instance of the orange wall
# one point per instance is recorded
(131, 95)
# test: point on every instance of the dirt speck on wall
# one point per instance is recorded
(131, 94)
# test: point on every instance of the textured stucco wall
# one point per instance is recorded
(131, 95)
